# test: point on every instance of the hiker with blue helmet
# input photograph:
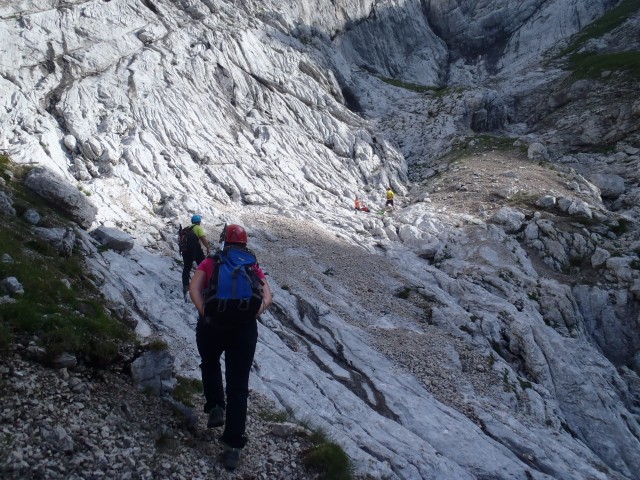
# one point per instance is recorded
(190, 241)
(227, 323)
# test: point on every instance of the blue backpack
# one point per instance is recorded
(234, 293)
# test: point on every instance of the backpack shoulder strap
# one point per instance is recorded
(217, 259)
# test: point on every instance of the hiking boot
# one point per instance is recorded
(230, 457)
(216, 417)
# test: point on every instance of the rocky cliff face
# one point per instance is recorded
(495, 315)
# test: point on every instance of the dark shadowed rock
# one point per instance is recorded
(113, 238)
(62, 239)
(64, 360)
(611, 186)
(62, 194)
(32, 216)
(6, 205)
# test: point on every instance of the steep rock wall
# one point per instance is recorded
(163, 108)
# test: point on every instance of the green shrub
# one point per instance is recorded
(523, 199)
(6, 338)
(609, 21)
(61, 328)
(186, 389)
(505, 381)
(620, 227)
(491, 360)
(414, 86)
(278, 416)
(485, 142)
(5, 163)
(330, 460)
(591, 65)
(547, 164)
(158, 345)
(326, 458)
(164, 441)
(524, 384)
(404, 293)
(466, 329)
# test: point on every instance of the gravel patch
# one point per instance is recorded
(87, 424)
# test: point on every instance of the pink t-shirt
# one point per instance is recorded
(207, 267)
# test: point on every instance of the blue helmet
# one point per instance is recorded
(196, 219)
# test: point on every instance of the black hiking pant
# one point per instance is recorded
(239, 346)
(187, 259)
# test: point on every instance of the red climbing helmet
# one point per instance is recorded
(233, 234)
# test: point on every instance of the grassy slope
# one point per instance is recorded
(592, 64)
(60, 308)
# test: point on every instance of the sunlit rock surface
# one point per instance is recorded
(429, 343)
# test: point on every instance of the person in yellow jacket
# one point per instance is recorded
(390, 196)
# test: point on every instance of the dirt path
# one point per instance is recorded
(364, 289)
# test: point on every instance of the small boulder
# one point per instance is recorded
(62, 194)
(113, 239)
(64, 360)
(62, 239)
(580, 209)
(537, 151)
(600, 257)
(510, 219)
(32, 216)
(611, 186)
(621, 268)
(6, 299)
(70, 142)
(59, 439)
(92, 149)
(548, 201)
(151, 369)
(12, 286)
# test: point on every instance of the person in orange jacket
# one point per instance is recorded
(359, 205)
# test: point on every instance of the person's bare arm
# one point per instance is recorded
(205, 243)
(267, 297)
(197, 285)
